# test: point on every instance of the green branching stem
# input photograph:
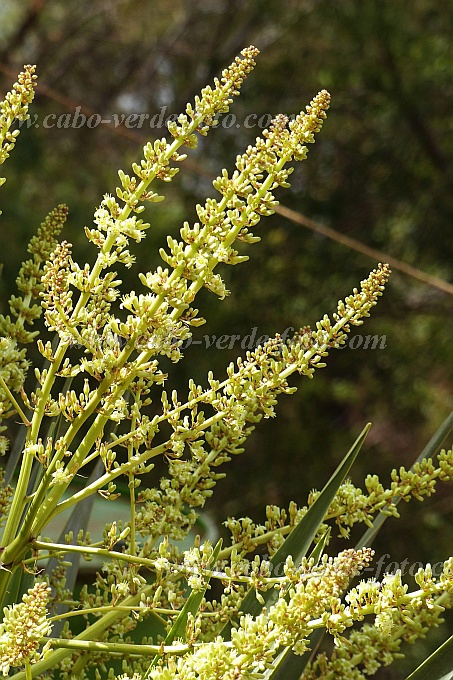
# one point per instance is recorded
(42, 511)
(125, 468)
(99, 423)
(84, 641)
(15, 403)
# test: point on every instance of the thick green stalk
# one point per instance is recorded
(132, 502)
(115, 648)
(25, 470)
(17, 505)
(44, 511)
(125, 467)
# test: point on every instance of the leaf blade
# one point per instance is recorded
(300, 539)
(428, 452)
(191, 606)
(438, 666)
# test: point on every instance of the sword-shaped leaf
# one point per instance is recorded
(289, 666)
(300, 539)
(192, 605)
(438, 666)
(428, 452)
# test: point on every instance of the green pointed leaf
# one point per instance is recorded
(299, 540)
(318, 550)
(19, 584)
(438, 666)
(428, 452)
(290, 666)
(191, 606)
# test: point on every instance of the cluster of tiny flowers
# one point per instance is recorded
(13, 363)
(15, 107)
(13, 371)
(351, 505)
(399, 617)
(24, 625)
(57, 297)
(6, 492)
(250, 391)
(29, 281)
(119, 359)
(214, 101)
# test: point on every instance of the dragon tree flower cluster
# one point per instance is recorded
(24, 625)
(100, 401)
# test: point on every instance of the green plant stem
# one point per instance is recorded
(26, 466)
(108, 608)
(117, 647)
(150, 453)
(41, 507)
(15, 403)
(62, 548)
(16, 508)
(130, 454)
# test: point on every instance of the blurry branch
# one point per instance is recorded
(354, 244)
(293, 215)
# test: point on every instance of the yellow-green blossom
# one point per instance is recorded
(23, 627)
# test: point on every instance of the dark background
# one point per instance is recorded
(380, 172)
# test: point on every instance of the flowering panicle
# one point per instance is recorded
(6, 492)
(24, 625)
(110, 417)
(29, 281)
(13, 371)
(214, 101)
(57, 296)
(350, 506)
(399, 617)
(250, 392)
(15, 107)
(13, 363)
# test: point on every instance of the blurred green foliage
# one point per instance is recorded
(381, 172)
